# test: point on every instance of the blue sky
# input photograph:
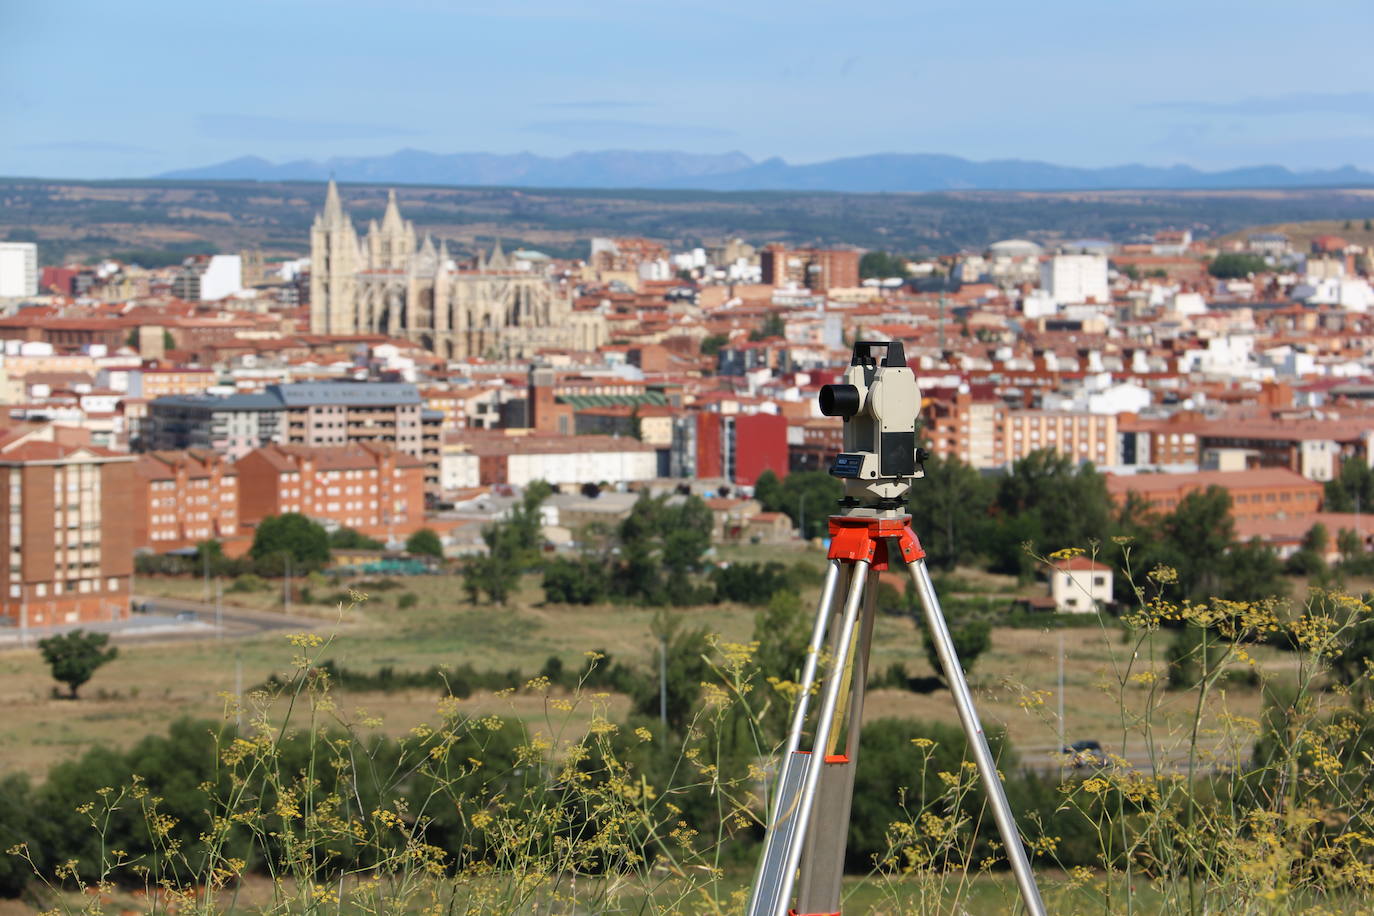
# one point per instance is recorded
(122, 89)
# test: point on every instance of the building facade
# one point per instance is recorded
(386, 283)
(372, 488)
(183, 498)
(1255, 494)
(18, 269)
(69, 542)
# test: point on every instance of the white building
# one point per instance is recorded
(223, 277)
(1080, 585)
(1072, 278)
(18, 269)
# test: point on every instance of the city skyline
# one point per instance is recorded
(99, 92)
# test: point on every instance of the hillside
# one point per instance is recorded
(883, 172)
(1302, 233)
(170, 218)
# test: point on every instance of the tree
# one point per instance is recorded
(425, 543)
(348, 539)
(1310, 557)
(1352, 490)
(773, 326)
(768, 490)
(1194, 539)
(1235, 265)
(1253, 572)
(949, 511)
(807, 497)
(687, 669)
(783, 633)
(971, 640)
(290, 534)
(75, 656)
(1053, 504)
(880, 265)
(1368, 226)
(569, 580)
(711, 344)
(514, 546)
(660, 544)
(1193, 656)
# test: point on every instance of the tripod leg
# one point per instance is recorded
(782, 820)
(825, 724)
(822, 864)
(978, 742)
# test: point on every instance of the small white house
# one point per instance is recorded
(1080, 585)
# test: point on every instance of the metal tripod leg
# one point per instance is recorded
(978, 742)
(822, 863)
(802, 771)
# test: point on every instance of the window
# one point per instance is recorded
(1099, 581)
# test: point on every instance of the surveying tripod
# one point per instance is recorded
(809, 815)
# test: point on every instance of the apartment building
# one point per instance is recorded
(303, 413)
(233, 425)
(69, 541)
(737, 447)
(1255, 494)
(984, 432)
(183, 498)
(1077, 435)
(817, 269)
(370, 487)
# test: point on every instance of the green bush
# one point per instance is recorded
(408, 600)
(248, 582)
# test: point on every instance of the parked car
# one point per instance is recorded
(1087, 753)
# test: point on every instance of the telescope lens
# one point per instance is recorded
(839, 400)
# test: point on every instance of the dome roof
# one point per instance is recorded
(1015, 248)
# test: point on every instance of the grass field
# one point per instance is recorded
(149, 685)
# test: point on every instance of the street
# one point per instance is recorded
(172, 618)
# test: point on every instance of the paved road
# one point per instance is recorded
(172, 618)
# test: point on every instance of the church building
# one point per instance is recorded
(385, 283)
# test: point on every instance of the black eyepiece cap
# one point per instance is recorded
(839, 400)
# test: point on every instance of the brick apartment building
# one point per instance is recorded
(311, 414)
(372, 488)
(1257, 493)
(183, 498)
(69, 541)
(817, 269)
(737, 447)
(989, 434)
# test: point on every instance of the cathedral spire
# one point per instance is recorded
(333, 207)
(391, 220)
(497, 261)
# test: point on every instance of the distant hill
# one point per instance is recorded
(607, 169)
(149, 221)
(888, 172)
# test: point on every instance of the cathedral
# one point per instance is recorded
(385, 283)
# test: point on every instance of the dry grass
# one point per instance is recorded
(149, 685)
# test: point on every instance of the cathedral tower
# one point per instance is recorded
(334, 263)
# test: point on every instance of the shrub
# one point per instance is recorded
(408, 600)
(248, 582)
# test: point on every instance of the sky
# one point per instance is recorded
(100, 89)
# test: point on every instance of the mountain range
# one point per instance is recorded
(667, 170)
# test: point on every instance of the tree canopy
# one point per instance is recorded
(425, 543)
(1233, 265)
(75, 656)
(881, 265)
(290, 534)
